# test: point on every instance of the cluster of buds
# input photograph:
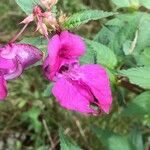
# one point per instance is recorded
(45, 21)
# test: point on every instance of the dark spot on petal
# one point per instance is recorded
(64, 68)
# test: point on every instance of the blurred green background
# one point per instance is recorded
(28, 111)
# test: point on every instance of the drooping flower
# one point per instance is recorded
(14, 58)
(76, 87)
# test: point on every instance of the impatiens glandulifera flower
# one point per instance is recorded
(14, 58)
(76, 87)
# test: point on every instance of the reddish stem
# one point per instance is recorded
(16, 37)
(134, 88)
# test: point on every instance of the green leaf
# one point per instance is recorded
(132, 3)
(123, 3)
(47, 91)
(31, 116)
(120, 39)
(27, 5)
(123, 34)
(139, 76)
(115, 33)
(85, 16)
(104, 55)
(126, 47)
(144, 57)
(66, 143)
(139, 105)
(104, 36)
(121, 95)
(112, 141)
(111, 75)
(144, 32)
(145, 3)
(89, 57)
(135, 138)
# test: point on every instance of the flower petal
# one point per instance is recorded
(53, 55)
(6, 63)
(61, 49)
(72, 44)
(25, 53)
(28, 19)
(72, 95)
(15, 72)
(8, 52)
(3, 89)
(97, 79)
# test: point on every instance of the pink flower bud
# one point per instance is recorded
(37, 10)
(49, 3)
(50, 20)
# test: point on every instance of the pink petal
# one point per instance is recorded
(15, 72)
(97, 79)
(62, 48)
(8, 52)
(25, 53)
(72, 45)
(72, 95)
(28, 19)
(6, 63)
(3, 89)
(10, 68)
(53, 56)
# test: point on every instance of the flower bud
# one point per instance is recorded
(42, 28)
(48, 3)
(37, 10)
(50, 20)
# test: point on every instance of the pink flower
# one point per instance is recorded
(14, 58)
(76, 87)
